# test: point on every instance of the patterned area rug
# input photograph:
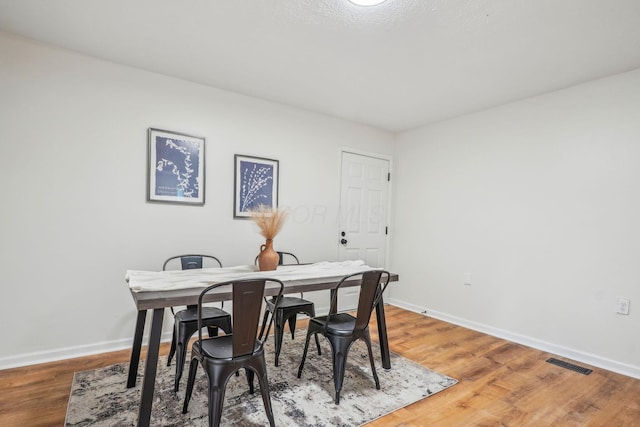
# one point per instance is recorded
(100, 397)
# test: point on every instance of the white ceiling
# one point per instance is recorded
(395, 66)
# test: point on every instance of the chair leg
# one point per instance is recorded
(373, 365)
(181, 355)
(278, 333)
(216, 400)
(318, 345)
(269, 326)
(292, 325)
(172, 351)
(193, 367)
(340, 351)
(264, 324)
(304, 353)
(312, 314)
(264, 390)
(212, 331)
(250, 375)
(217, 376)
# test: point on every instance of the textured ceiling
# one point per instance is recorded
(395, 66)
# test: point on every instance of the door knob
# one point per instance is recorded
(343, 241)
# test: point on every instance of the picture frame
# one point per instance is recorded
(175, 168)
(256, 181)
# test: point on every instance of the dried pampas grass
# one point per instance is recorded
(269, 220)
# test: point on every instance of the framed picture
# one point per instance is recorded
(256, 183)
(175, 168)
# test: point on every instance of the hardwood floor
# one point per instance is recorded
(501, 383)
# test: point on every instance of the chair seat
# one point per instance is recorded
(220, 347)
(288, 302)
(340, 324)
(191, 314)
(186, 324)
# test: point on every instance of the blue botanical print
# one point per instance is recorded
(177, 168)
(256, 185)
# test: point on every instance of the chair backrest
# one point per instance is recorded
(373, 283)
(282, 259)
(188, 262)
(247, 296)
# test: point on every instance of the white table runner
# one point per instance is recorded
(146, 281)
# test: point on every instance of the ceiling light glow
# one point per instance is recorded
(366, 2)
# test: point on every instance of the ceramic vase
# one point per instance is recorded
(268, 258)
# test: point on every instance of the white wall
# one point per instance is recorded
(539, 201)
(73, 138)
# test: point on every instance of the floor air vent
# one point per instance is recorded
(570, 366)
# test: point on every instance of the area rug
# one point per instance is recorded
(100, 397)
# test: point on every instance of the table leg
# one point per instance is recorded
(151, 366)
(382, 335)
(135, 350)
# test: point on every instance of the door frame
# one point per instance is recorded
(375, 155)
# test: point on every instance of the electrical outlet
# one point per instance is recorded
(467, 279)
(623, 306)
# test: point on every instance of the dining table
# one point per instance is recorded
(154, 291)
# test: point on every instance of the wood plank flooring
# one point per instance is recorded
(501, 383)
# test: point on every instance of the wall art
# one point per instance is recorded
(256, 183)
(175, 168)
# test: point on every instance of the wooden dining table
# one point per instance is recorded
(156, 302)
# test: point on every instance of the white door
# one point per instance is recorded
(363, 214)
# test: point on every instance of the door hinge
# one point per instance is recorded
(386, 230)
(389, 176)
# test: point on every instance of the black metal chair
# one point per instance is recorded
(222, 356)
(186, 321)
(342, 329)
(287, 312)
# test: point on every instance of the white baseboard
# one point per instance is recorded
(71, 352)
(27, 359)
(124, 344)
(576, 355)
